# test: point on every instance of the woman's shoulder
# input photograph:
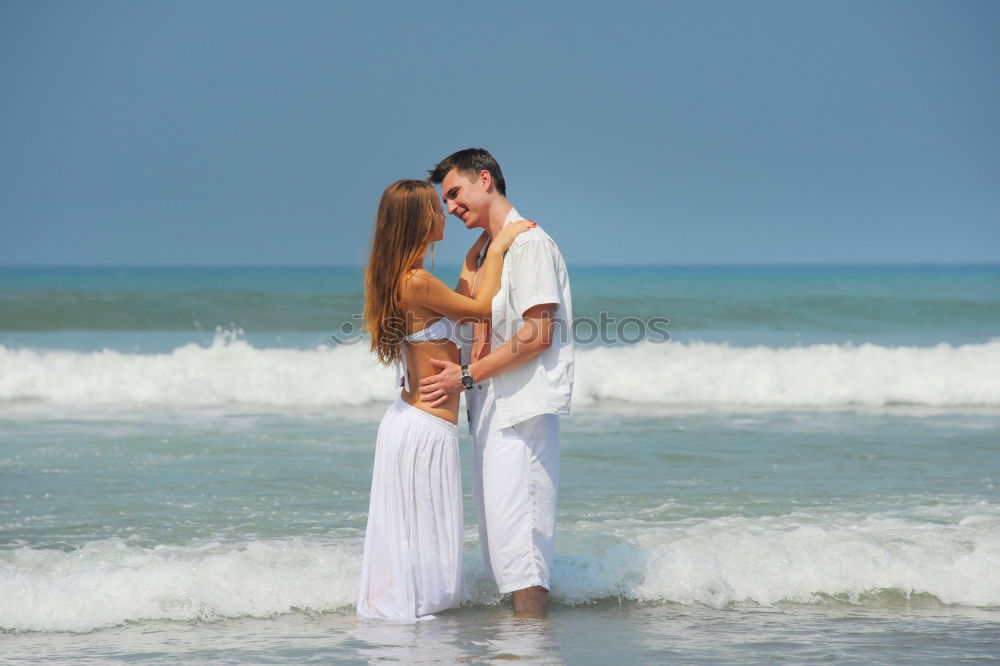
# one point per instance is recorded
(416, 278)
(416, 275)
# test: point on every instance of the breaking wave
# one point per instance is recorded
(232, 371)
(821, 557)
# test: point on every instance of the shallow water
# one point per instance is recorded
(594, 634)
(810, 491)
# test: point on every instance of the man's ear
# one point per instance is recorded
(486, 178)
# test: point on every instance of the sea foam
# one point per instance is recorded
(230, 371)
(838, 558)
(110, 582)
(802, 558)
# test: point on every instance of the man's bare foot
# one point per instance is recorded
(530, 602)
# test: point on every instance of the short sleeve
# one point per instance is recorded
(534, 275)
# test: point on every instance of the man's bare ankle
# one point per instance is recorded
(530, 602)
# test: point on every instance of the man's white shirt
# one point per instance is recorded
(534, 273)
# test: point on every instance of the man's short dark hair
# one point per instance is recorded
(471, 162)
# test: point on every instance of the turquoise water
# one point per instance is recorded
(899, 304)
(806, 471)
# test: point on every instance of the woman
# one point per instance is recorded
(412, 564)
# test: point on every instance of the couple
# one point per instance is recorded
(516, 370)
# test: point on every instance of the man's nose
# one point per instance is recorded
(452, 207)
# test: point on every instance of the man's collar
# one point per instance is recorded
(512, 216)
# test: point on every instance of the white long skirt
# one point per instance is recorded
(412, 564)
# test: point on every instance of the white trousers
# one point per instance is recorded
(412, 563)
(515, 481)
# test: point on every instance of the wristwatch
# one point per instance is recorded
(466, 377)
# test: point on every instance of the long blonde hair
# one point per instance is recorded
(404, 226)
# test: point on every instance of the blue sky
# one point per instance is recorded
(635, 132)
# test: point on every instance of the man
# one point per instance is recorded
(518, 379)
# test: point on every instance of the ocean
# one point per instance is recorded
(763, 464)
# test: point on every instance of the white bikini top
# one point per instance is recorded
(442, 329)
